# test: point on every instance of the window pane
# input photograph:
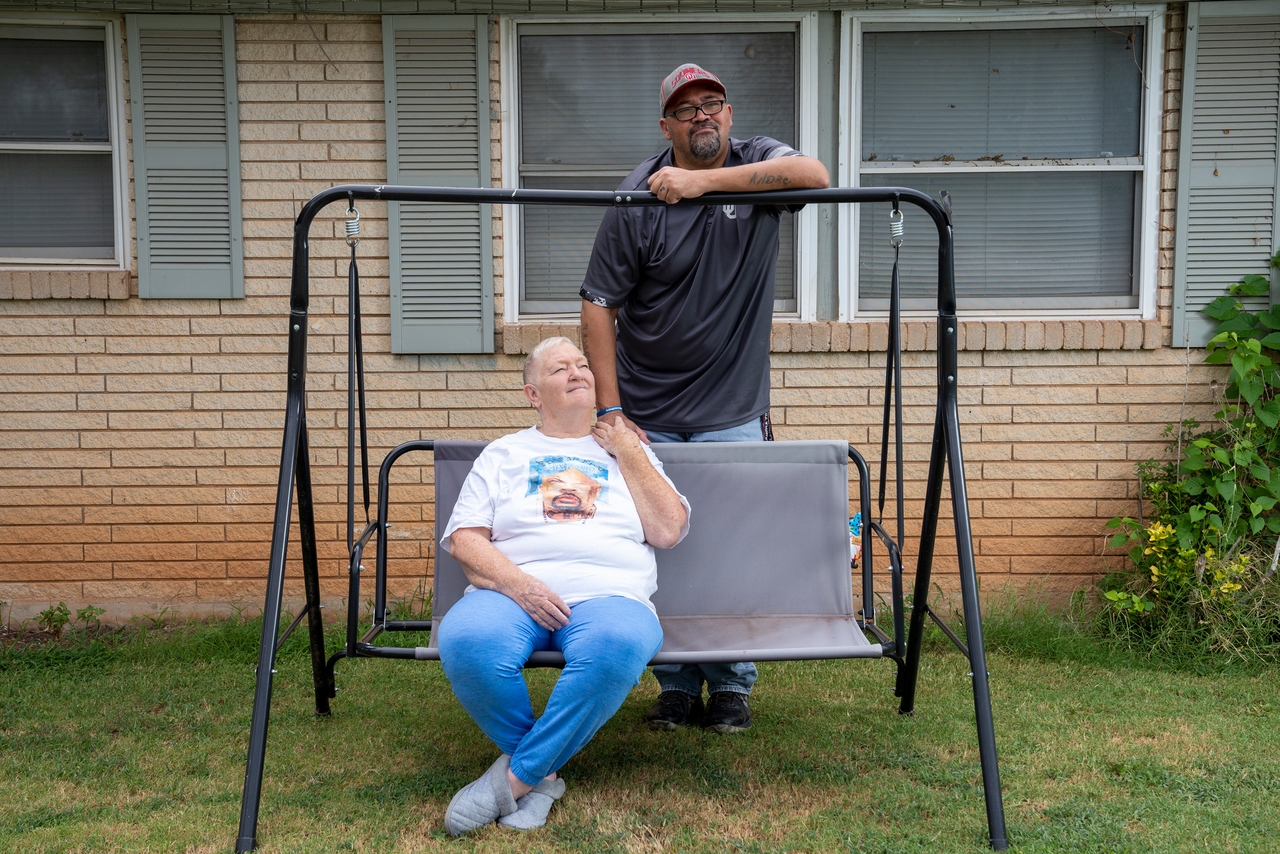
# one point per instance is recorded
(53, 91)
(557, 245)
(592, 100)
(59, 205)
(1032, 241)
(1002, 94)
(606, 121)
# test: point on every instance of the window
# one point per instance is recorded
(587, 113)
(60, 182)
(1042, 135)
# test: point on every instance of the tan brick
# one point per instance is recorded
(1091, 335)
(55, 571)
(877, 337)
(21, 284)
(1068, 375)
(1152, 334)
(840, 337)
(1015, 335)
(801, 338)
(356, 112)
(40, 288)
(43, 592)
(149, 594)
(1054, 335)
(1033, 335)
(1075, 489)
(1072, 335)
(1030, 509)
(53, 552)
(1060, 546)
(781, 342)
(1132, 334)
(60, 284)
(1088, 453)
(995, 335)
(346, 30)
(859, 337)
(973, 335)
(48, 515)
(821, 337)
(1038, 432)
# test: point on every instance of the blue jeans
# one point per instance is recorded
(485, 640)
(688, 678)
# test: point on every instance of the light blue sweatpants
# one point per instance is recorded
(485, 640)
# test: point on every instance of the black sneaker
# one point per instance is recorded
(673, 710)
(727, 711)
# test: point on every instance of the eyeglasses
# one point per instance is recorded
(686, 114)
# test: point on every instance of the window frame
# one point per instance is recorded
(1147, 209)
(808, 70)
(113, 44)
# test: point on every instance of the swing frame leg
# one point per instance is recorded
(294, 463)
(947, 449)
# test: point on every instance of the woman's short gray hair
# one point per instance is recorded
(534, 358)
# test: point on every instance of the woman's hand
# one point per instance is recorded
(540, 602)
(615, 436)
(489, 569)
(662, 515)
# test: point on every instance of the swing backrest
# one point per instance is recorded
(764, 572)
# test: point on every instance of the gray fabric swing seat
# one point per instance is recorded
(764, 574)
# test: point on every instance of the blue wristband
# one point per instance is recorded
(608, 409)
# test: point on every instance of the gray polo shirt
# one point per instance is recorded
(694, 289)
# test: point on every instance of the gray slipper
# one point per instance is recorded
(480, 802)
(533, 807)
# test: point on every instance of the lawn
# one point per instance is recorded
(141, 748)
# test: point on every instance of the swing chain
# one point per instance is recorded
(353, 227)
(896, 228)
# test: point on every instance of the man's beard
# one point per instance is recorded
(704, 147)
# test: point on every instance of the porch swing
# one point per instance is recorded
(791, 596)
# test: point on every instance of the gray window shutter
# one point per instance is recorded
(186, 156)
(437, 92)
(1227, 176)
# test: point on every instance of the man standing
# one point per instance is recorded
(677, 319)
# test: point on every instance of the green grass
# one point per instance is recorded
(139, 745)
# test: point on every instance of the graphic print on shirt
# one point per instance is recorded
(568, 487)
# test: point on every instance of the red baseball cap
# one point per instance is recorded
(683, 76)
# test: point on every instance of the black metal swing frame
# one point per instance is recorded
(295, 472)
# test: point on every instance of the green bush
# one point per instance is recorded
(1203, 561)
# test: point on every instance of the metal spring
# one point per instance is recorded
(353, 227)
(896, 228)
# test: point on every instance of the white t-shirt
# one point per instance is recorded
(561, 511)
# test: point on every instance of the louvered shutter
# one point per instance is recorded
(1227, 188)
(437, 91)
(186, 156)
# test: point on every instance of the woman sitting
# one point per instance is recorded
(555, 528)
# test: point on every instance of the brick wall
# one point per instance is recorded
(141, 439)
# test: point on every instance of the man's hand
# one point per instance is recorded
(615, 437)
(794, 172)
(671, 183)
(619, 418)
(540, 602)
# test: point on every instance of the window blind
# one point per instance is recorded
(589, 115)
(1069, 98)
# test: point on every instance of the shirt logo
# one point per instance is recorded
(731, 211)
